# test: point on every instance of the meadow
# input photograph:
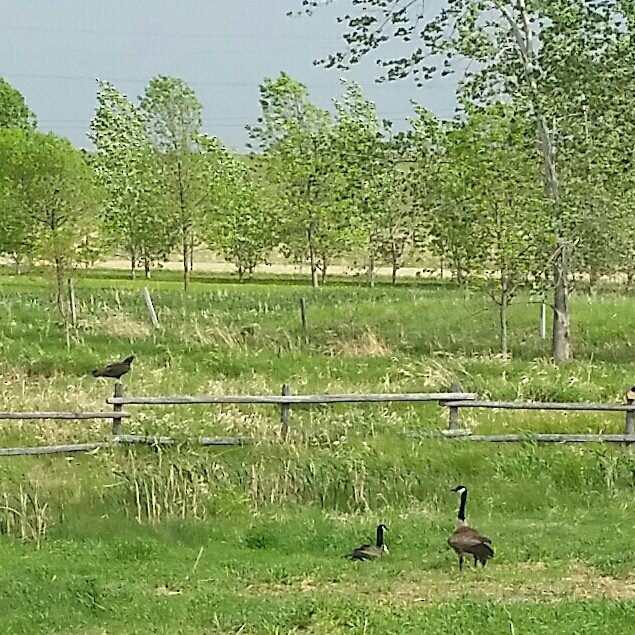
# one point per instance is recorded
(251, 539)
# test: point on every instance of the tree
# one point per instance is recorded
(297, 141)
(52, 196)
(367, 163)
(244, 228)
(14, 112)
(493, 175)
(518, 47)
(173, 117)
(126, 164)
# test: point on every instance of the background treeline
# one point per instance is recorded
(481, 192)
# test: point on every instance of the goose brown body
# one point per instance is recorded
(466, 540)
(368, 551)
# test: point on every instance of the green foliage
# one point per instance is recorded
(189, 160)
(245, 227)
(297, 140)
(14, 112)
(135, 213)
(52, 199)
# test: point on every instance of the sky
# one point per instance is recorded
(54, 51)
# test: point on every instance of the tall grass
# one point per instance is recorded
(250, 539)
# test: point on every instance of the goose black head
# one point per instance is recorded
(128, 360)
(459, 489)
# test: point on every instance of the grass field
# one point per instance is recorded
(251, 540)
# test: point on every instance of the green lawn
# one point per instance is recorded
(252, 539)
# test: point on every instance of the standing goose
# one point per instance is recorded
(465, 540)
(368, 551)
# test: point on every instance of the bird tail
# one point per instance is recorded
(488, 551)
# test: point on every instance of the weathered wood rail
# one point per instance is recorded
(628, 408)
(284, 401)
(454, 400)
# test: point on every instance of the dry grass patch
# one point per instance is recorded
(124, 325)
(367, 344)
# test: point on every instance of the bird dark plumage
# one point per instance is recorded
(368, 551)
(115, 370)
(467, 541)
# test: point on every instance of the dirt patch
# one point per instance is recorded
(524, 582)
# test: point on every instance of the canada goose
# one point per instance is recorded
(465, 540)
(368, 551)
(116, 370)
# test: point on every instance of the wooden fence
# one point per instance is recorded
(454, 400)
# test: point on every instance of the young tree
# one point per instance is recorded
(244, 227)
(491, 157)
(52, 195)
(518, 47)
(366, 162)
(296, 138)
(173, 117)
(135, 214)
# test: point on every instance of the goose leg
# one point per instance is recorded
(460, 563)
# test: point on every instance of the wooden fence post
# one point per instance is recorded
(284, 413)
(305, 325)
(543, 320)
(116, 421)
(453, 422)
(151, 311)
(629, 428)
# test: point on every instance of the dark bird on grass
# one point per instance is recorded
(115, 370)
(630, 394)
(368, 551)
(467, 541)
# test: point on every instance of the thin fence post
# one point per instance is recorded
(629, 428)
(116, 421)
(305, 325)
(543, 320)
(453, 421)
(151, 311)
(284, 413)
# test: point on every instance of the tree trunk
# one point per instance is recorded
(186, 264)
(560, 347)
(146, 267)
(59, 285)
(312, 257)
(324, 268)
(593, 282)
(241, 273)
(504, 304)
(395, 264)
(192, 253)
(371, 270)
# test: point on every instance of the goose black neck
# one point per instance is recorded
(380, 536)
(461, 515)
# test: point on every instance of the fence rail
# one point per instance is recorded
(628, 408)
(454, 400)
(63, 415)
(294, 399)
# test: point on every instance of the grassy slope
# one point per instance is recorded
(122, 530)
